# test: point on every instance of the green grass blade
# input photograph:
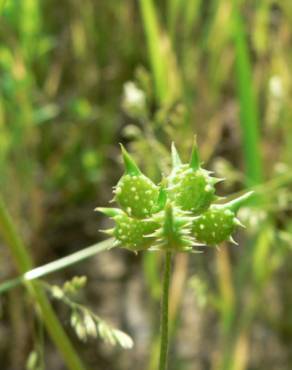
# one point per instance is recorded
(191, 11)
(2, 4)
(24, 263)
(163, 62)
(10, 284)
(174, 8)
(247, 101)
(153, 37)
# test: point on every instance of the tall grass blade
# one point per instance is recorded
(174, 9)
(162, 59)
(153, 38)
(23, 261)
(248, 105)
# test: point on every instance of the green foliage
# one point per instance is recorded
(219, 68)
(23, 262)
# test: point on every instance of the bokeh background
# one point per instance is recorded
(77, 78)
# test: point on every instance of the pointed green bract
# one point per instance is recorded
(131, 167)
(110, 212)
(195, 159)
(175, 158)
(236, 203)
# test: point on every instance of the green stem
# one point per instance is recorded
(24, 262)
(57, 265)
(164, 313)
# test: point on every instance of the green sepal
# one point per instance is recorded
(131, 167)
(110, 212)
(175, 158)
(236, 203)
(195, 158)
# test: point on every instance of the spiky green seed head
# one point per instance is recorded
(214, 226)
(131, 232)
(190, 187)
(192, 190)
(174, 232)
(177, 215)
(136, 194)
(218, 222)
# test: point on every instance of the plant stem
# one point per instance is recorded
(57, 265)
(164, 313)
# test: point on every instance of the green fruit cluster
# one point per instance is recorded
(177, 215)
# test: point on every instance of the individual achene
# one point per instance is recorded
(176, 215)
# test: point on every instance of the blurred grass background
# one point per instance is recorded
(77, 78)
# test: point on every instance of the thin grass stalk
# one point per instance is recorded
(57, 265)
(23, 262)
